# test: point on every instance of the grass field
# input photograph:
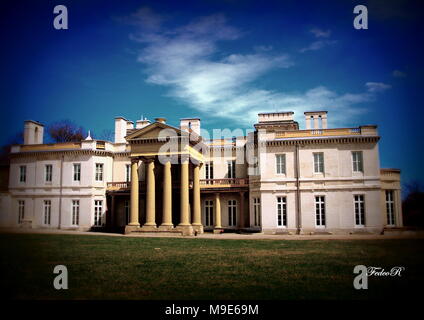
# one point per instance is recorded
(102, 267)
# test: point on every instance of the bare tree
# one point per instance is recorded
(107, 134)
(66, 131)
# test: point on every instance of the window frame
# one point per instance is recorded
(48, 173)
(281, 212)
(280, 166)
(357, 205)
(22, 173)
(320, 211)
(98, 212)
(99, 171)
(76, 173)
(209, 170)
(231, 169)
(357, 164)
(75, 210)
(232, 212)
(319, 163)
(209, 213)
(390, 203)
(47, 212)
(21, 211)
(257, 211)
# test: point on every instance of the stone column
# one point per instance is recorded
(398, 208)
(167, 198)
(134, 224)
(184, 225)
(218, 227)
(197, 220)
(240, 217)
(150, 196)
(316, 122)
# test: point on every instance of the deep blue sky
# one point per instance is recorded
(222, 61)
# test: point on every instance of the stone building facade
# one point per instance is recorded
(154, 177)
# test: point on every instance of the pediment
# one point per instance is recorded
(153, 131)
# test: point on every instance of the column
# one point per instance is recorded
(241, 211)
(167, 196)
(184, 194)
(134, 194)
(197, 220)
(150, 195)
(218, 226)
(316, 122)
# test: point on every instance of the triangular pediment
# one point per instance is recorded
(153, 131)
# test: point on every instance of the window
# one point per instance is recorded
(209, 170)
(47, 211)
(281, 211)
(390, 208)
(99, 171)
(209, 213)
(280, 164)
(75, 212)
(257, 211)
(359, 210)
(231, 172)
(357, 161)
(319, 162)
(98, 204)
(128, 172)
(320, 211)
(77, 172)
(48, 172)
(21, 211)
(232, 213)
(22, 174)
(127, 212)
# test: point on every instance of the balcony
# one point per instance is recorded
(224, 183)
(320, 133)
(204, 184)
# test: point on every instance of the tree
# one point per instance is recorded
(107, 134)
(66, 131)
(413, 205)
(5, 149)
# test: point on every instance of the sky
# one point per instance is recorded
(221, 61)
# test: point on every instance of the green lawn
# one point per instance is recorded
(102, 267)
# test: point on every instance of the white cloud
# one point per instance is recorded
(318, 33)
(316, 45)
(398, 74)
(189, 62)
(377, 86)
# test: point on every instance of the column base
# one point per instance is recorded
(131, 228)
(166, 227)
(218, 230)
(186, 230)
(198, 228)
(149, 227)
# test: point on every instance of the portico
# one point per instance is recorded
(172, 178)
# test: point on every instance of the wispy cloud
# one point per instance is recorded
(318, 33)
(323, 41)
(398, 74)
(188, 60)
(377, 86)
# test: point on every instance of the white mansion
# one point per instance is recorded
(158, 178)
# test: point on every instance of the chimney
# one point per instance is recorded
(33, 132)
(142, 123)
(319, 119)
(120, 129)
(190, 123)
(160, 120)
